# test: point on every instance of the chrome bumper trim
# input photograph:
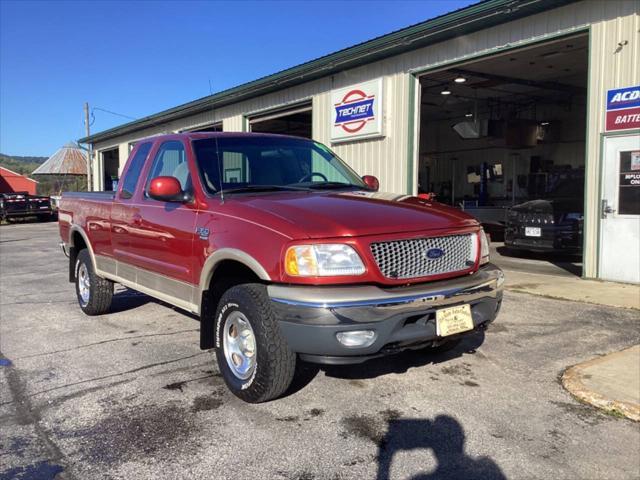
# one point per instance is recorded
(485, 282)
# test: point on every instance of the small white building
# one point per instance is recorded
(488, 106)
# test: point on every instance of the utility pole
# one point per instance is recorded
(89, 152)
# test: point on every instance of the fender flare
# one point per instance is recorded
(77, 228)
(207, 320)
(213, 260)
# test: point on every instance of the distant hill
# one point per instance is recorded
(22, 165)
(25, 159)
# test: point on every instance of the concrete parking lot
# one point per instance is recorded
(130, 395)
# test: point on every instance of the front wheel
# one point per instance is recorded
(253, 356)
(94, 292)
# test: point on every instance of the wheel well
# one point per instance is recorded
(227, 274)
(77, 245)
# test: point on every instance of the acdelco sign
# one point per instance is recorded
(623, 98)
(623, 108)
(356, 111)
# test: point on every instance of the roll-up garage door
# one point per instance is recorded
(291, 121)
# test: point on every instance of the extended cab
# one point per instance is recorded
(284, 252)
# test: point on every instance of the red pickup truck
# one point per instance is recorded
(284, 252)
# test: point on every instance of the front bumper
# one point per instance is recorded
(402, 317)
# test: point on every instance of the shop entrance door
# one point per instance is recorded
(620, 210)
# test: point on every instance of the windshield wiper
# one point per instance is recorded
(263, 188)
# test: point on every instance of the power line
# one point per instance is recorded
(112, 113)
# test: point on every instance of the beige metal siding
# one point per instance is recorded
(233, 124)
(610, 66)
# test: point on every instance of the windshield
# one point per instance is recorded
(260, 163)
(570, 185)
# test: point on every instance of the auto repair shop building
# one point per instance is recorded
(490, 106)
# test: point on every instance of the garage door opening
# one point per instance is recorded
(503, 138)
(297, 122)
(214, 127)
(110, 166)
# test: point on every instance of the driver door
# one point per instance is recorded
(163, 232)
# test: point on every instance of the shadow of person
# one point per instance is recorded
(445, 437)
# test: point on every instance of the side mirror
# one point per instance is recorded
(166, 189)
(371, 182)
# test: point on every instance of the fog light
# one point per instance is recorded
(357, 338)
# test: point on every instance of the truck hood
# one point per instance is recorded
(346, 214)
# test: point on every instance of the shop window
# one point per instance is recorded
(629, 183)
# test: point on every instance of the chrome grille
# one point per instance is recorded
(408, 258)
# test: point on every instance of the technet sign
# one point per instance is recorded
(356, 111)
(623, 108)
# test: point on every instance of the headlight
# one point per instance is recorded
(484, 248)
(322, 260)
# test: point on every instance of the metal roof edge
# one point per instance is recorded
(480, 15)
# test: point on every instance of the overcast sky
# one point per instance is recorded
(137, 58)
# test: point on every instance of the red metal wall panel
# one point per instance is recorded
(13, 182)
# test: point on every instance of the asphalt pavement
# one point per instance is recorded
(130, 395)
(542, 263)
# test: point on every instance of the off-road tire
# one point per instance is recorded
(100, 290)
(275, 362)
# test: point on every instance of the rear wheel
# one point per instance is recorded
(253, 356)
(94, 292)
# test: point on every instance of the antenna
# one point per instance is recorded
(219, 168)
(210, 89)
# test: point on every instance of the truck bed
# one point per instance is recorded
(108, 196)
(83, 209)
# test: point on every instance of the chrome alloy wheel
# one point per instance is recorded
(239, 344)
(84, 284)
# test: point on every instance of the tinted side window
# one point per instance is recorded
(133, 172)
(171, 161)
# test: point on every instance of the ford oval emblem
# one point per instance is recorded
(434, 253)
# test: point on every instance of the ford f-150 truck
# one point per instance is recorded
(284, 252)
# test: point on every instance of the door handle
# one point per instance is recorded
(606, 209)
(137, 219)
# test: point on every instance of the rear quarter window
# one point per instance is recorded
(133, 172)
